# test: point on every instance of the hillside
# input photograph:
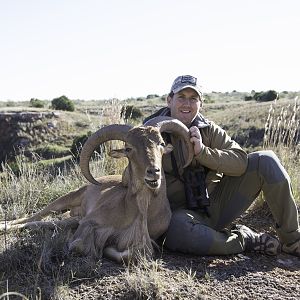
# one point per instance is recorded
(243, 120)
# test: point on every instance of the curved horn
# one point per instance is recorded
(172, 125)
(104, 134)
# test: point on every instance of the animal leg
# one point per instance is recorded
(62, 203)
(83, 240)
(118, 256)
(10, 226)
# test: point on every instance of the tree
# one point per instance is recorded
(36, 103)
(266, 96)
(131, 112)
(63, 103)
(248, 98)
(152, 96)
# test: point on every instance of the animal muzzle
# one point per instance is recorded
(153, 177)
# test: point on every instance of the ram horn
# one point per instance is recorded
(176, 127)
(104, 134)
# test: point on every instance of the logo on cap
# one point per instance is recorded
(189, 79)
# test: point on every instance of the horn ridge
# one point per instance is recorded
(104, 134)
(174, 126)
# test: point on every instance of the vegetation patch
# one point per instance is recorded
(63, 103)
(52, 151)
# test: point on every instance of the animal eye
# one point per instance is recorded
(162, 144)
(128, 149)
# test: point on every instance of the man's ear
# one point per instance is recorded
(201, 103)
(168, 149)
(169, 99)
(117, 153)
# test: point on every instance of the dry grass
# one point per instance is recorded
(147, 280)
(32, 187)
(282, 135)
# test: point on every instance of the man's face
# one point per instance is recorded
(185, 105)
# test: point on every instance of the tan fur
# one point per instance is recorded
(120, 214)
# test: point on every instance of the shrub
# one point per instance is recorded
(266, 96)
(36, 103)
(152, 96)
(248, 98)
(63, 103)
(207, 99)
(131, 112)
(10, 104)
(77, 144)
(163, 98)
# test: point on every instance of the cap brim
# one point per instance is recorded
(188, 86)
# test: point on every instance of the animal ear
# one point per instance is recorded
(117, 153)
(168, 149)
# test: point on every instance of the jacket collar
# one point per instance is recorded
(200, 121)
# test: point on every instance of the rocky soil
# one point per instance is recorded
(38, 266)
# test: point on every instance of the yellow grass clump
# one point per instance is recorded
(282, 135)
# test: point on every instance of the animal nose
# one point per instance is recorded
(153, 171)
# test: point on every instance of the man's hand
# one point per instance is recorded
(196, 139)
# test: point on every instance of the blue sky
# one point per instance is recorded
(94, 49)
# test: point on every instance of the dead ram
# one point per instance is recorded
(118, 216)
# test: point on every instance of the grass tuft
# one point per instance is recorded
(282, 135)
(151, 279)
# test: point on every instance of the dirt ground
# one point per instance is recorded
(38, 266)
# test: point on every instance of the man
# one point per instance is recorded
(220, 184)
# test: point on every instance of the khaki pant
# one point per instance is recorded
(196, 233)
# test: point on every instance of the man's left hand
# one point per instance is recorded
(196, 139)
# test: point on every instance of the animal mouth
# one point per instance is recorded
(153, 184)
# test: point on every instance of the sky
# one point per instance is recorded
(94, 49)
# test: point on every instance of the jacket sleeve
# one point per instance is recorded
(221, 153)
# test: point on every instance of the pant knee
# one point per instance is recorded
(268, 166)
(187, 234)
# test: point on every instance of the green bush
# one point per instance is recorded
(79, 141)
(152, 96)
(36, 103)
(77, 144)
(131, 112)
(207, 99)
(63, 103)
(266, 96)
(10, 104)
(248, 98)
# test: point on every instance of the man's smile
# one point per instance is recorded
(185, 111)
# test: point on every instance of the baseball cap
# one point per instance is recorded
(185, 81)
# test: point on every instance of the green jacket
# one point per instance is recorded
(220, 155)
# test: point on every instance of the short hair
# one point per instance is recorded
(171, 94)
